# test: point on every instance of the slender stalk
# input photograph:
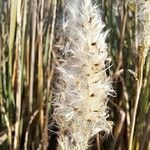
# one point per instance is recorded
(138, 92)
(11, 44)
(48, 40)
(143, 47)
(34, 7)
(51, 43)
(48, 94)
(28, 127)
(24, 29)
(40, 70)
(19, 76)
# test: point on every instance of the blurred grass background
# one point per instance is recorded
(29, 36)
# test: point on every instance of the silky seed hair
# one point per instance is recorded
(82, 87)
(144, 26)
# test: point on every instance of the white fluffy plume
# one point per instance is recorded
(144, 25)
(80, 101)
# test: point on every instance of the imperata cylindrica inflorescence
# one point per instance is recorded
(82, 87)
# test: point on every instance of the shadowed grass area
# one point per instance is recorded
(29, 38)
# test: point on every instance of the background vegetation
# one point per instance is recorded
(30, 38)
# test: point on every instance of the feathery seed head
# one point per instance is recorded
(144, 25)
(80, 103)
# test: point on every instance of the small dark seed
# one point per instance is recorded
(75, 109)
(95, 111)
(90, 20)
(96, 65)
(77, 82)
(93, 44)
(66, 132)
(92, 95)
(89, 120)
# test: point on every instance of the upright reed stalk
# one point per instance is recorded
(34, 5)
(82, 87)
(143, 47)
(19, 76)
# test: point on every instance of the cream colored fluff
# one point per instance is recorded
(80, 102)
(144, 25)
